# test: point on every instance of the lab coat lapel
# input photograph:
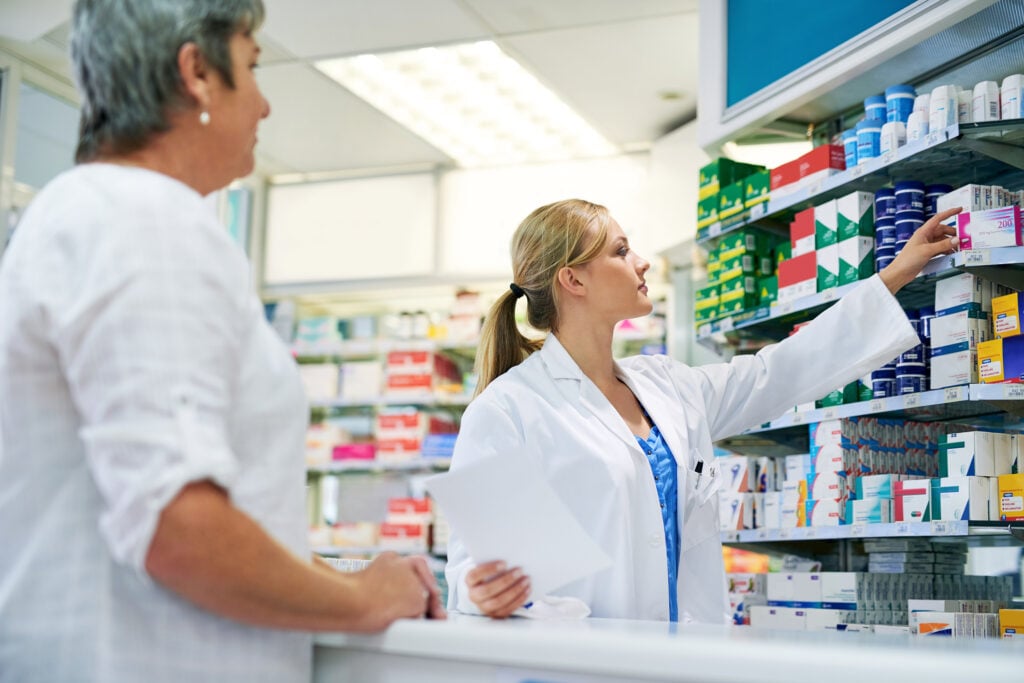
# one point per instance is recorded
(660, 410)
(577, 388)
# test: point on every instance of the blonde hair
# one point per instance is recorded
(564, 234)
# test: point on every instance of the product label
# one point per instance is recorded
(1005, 323)
(991, 369)
(1011, 503)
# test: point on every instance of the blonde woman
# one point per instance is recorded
(627, 444)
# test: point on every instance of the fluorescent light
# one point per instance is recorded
(472, 101)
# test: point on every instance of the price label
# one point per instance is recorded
(857, 530)
(940, 529)
(829, 295)
(977, 257)
(814, 189)
(798, 418)
(757, 211)
(830, 413)
(877, 405)
(785, 534)
(911, 400)
(888, 158)
(857, 171)
(954, 394)
(727, 325)
(784, 309)
(935, 138)
(1014, 391)
(714, 230)
(761, 535)
(903, 529)
(704, 330)
(811, 532)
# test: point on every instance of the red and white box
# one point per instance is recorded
(798, 277)
(821, 162)
(410, 511)
(801, 233)
(911, 500)
(404, 537)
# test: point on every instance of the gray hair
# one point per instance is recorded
(125, 61)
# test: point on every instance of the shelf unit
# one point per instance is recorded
(961, 154)
(413, 465)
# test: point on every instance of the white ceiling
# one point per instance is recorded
(627, 66)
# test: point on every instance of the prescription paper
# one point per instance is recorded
(504, 509)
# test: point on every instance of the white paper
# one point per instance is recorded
(503, 509)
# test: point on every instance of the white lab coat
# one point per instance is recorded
(546, 409)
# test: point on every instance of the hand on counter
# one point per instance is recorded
(401, 587)
(930, 240)
(497, 590)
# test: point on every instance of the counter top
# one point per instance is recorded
(640, 650)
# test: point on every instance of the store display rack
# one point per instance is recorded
(369, 551)
(980, 533)
(412, 465)
(418, 399)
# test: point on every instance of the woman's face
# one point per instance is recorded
(235, 113)
(616, 289)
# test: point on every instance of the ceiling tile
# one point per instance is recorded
(518, 16)
(316, 125)
(314, 28)
(613, 74)
(26, 20)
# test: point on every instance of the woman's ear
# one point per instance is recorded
(195, 74)
(568, 280)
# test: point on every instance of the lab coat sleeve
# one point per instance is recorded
(487, 429)
(860, 333)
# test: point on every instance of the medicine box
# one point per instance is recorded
(798, 277)
(1011, 623)
(828, 267)
(1006, 315)
(968, 197)
(826, 619)
(968, 454)
(1010, 498)
(734, 473)
(746, 241)
(876, 485)
(911, 500)
(953, 365)
(869, 511)
(772, 517)
(735, 511)
(1001, 360)
(801, 233)
(768, 289)
(797, 467)
(961, 498)
(730, 200)
(827, 512)
(756, 188)
(814, 164)
(778, 618)
(856, 259)
(797, 589)
(856, 215)
(825, 485)
(966, 324)
(721, 172)
(841, 590)
(746, 582)
(990, 229)
(961, 289)
(707, 211)
(826, 432)
(826, 224)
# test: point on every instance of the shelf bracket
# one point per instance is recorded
(1011, 155)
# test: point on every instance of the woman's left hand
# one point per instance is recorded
(930, 240)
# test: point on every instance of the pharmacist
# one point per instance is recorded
(152, 507)
(627, 444)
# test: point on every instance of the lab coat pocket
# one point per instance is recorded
(700, 517)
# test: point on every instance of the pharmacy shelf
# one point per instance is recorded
(416, 399)
(958, 155)
(413, 465)
(992, 405)
(935, 529)
(336, 550)
(363, 348)
(1004, 265)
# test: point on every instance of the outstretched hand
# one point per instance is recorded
(930, 240)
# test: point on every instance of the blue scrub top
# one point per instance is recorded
(663, 467)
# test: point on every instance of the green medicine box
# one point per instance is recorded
(707, 211)
(847, 394)
(721, 172)
(706, 297)
(703, 315)
(737, 266)
(783, 252)
(730, 200)
(856, 259)
(746, 284)
(768, 289)
(855, 215)
(744, 241)
(736, 302)
(756, 188)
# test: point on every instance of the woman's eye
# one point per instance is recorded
(623, 251)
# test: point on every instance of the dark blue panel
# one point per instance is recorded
(768, 39)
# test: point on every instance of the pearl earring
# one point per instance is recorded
(204, 117)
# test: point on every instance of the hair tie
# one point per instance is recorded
(517, 290)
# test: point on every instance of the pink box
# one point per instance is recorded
(354, 451)
(989, 229)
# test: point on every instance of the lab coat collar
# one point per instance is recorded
(583, 391)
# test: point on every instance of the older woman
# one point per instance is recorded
(628, 445)
(151, 479)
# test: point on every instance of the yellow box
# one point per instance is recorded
(1011, 499)
(1006, 315)
(1011, 623)
(1001, 360)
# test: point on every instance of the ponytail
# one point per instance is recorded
(502, 345)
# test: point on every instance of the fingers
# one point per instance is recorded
(434, 609)
(497, 591)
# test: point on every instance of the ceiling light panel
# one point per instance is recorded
(473, 102)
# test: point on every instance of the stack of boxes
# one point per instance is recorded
(963, 304)
(727, 188)
(416, 372)
(406, 528)
(807, 171)
(401, 431)
(741, 275)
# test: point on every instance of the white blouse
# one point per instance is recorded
(134, 359)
